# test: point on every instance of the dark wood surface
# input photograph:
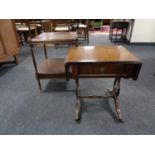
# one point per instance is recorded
(100, 54)
(53, 67)
(101, 62)
(108, 61)
(55, 37)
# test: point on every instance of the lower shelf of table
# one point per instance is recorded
(52, 68)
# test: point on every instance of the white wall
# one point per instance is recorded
(143, 31)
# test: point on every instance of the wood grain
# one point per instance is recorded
(100, 54)
(102, 61)
(9, 44)
(53, 37)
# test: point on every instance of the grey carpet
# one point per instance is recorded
(24, 110)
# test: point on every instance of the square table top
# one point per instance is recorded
(100, 54)
(46, 37)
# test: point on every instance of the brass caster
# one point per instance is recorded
(77, 112)
(121, 120)
(77, 116)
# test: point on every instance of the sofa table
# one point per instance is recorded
(101, 62)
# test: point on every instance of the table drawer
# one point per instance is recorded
(102, 69)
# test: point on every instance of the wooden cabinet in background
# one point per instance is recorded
(2, 53)
(9, 43)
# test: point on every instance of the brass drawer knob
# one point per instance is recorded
(102, 69)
